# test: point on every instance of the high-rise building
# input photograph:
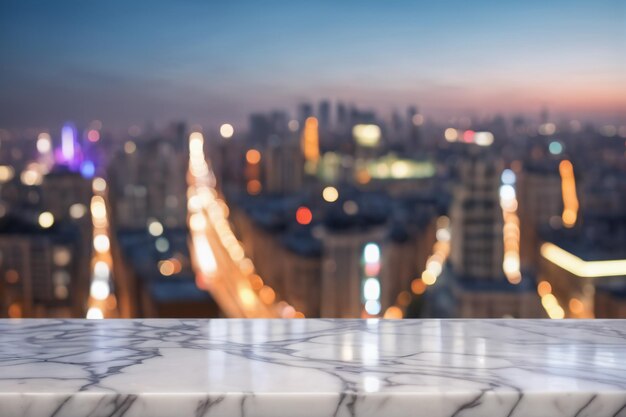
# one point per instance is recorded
(149, 183)
(41, 273)
(284, 166)
(342, 117)
(346, 260)
(477, 245)
(479, 284)
(305, 110)
(541, 205)
(324, 115)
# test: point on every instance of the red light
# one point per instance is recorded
(372, 269)
(304, 215)
(468, 136)
(93, 136)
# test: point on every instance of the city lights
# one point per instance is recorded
(304, 215)
(468, 136)
(372, 307)
(434, 267)
(100, 291)
(155, 228)
(46, 219)
(32, 175)
(391, 167)
(6, 173)
(555, 148)
(130, 147)
(227, 130)
(293, 125)
(166, 268)
(549, 301)
(371, 253)
(370, 291)
(218, 258)
(568, 189)
(254, 187)
(381, 179)
(393, 312)
(547, 129)
(77, 211)
(68, 142)
(95, 313)
(511, 227)
(44, 143)
(99, 185)
(162, 244)
(101, 243)
(579, 267)
(93, 135)
(451, 134)
(367, 135)
(253, 156)
(330, 194)
(310, 144)
(483, 138)
(87, 169)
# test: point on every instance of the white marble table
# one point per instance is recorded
(313, 368)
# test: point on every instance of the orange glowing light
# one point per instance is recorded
(254, 187)
(111, 302)
(363, 177)
(403, 299)
(15, 311)
(417, 286)
(267, 295)
(544, 288)
(253, 156)
(304, 215)
(576, 306)
(256, 281)
(568, 189)
(166, 268)
(310, 140)
(393, 312)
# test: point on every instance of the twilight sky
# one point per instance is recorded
(126, 62)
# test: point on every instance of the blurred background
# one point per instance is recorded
(313, 159)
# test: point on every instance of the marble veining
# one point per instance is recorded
(312, 368)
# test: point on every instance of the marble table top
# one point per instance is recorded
(312, 368)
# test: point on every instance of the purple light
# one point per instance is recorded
(68, 135)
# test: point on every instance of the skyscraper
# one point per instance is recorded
(478, 282)
(324, 115)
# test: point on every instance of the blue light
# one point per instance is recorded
(555, 148)
(87, 169)
(508, 177)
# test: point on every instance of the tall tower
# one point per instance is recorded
(477, 245)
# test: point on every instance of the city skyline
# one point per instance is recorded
(210, 64)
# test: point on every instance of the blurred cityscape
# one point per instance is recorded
(318, 159)
(330, 210)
